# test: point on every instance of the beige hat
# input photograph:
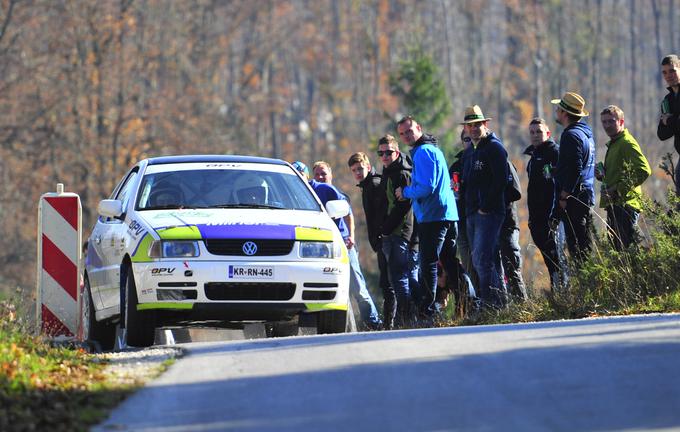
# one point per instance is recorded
(572, 103)
(473, 114)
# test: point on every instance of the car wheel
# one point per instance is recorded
(333, 321)
(140, 325)
(101, 334)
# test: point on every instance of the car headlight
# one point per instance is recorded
(173, 249)
(309, 249)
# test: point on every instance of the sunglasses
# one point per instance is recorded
(385, 153)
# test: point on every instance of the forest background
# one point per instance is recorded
(87, 88)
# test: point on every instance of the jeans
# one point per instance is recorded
(357, 287)
(403, 272)
(431, 236)
(623, 230)
(483, 231)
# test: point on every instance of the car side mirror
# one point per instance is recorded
(337, 208)
(110, 208)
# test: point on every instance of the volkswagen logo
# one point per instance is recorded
(249, 248)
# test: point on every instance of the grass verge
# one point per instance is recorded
(44, 387)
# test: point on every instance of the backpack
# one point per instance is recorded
(513, 190)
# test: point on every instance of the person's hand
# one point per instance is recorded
(564, 196)
(349, 242)
(664, 118)
(399, 193)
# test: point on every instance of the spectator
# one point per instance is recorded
(375, 204)
(669, 121)
(574, 175)
(323, 175)
(400, 241)
(485, 179)
(625, 169)
(543, 153)
(434, 208)
(510, 250)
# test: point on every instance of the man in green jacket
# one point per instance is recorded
(625, 169)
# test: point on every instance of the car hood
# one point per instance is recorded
(240, 224)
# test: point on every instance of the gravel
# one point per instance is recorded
(137, 366)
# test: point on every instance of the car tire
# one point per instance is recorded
(100, 334)
(333, 321)
(140, 325)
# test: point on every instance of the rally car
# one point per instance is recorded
(228, 238)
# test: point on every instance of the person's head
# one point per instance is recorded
(388, 149)
(409, 130)
(322, 172)
(163, 196)
(669, 70)
(250, 188)
(538, 131)
(359, 165)
(301, 168)
(570, 109)
(475, 125)
(612, 120)
(465, 139)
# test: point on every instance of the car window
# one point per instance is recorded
(122, 192)
(213, 188)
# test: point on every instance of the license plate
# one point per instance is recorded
(250, 272)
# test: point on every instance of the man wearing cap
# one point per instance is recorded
(485, 178)
(574, 175)
(625, 169)
(327, 192)
(669, 121)
(434, 208)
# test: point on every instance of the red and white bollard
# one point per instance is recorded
(59, 263)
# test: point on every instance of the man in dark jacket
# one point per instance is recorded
(375, 204)
(399, 238)
(669, 121)
(541, 196)
(485, 179)
(575, 175)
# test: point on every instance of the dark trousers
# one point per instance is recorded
(431, 237)
(511, 258)
(389, 296)
(546, 242)
(622, 226)
(578, 228)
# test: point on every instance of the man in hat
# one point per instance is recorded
(485, 178)
(669, 121)
(434, 208)
(574, 175)
(625, 169)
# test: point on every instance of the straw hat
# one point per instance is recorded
(473, 114)
(572, 103)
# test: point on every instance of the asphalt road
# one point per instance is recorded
(586, 375)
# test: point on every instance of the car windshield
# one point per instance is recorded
(210, 187)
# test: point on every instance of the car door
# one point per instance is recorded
(109, 240)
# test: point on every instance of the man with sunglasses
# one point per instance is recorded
(434, 208)
(399, 238)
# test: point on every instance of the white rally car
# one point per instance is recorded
(229, 238)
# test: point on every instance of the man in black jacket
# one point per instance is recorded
(669, 121)
(543, 153)
(399, 238)
(375, 204)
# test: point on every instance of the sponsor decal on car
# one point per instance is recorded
(332, 270)
(162, 271)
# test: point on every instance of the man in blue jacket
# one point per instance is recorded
(485, 178)
(433, 206)
(575, 175)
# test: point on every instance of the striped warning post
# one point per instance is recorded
(59, 263)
